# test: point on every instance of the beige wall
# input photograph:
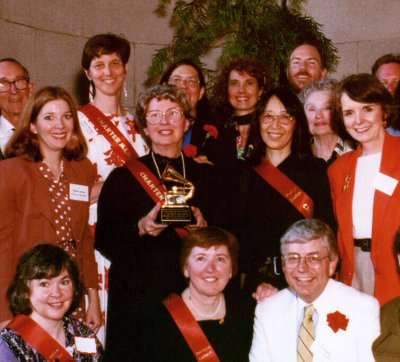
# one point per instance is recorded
(362, 30)
(48, 35)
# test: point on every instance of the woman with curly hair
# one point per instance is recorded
(142, 248)
(238, 89)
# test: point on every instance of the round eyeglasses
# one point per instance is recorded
(189, 82)
(173, 115)
(20, 84)
(283, 118)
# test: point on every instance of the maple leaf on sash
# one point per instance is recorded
(132, 131)
(114, 158)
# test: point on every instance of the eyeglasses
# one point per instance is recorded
(283, 118)
(313, 260)
(19, 84)
(172, 115)
(189, 82)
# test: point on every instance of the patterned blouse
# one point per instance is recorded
(14, 348)
(101, 152)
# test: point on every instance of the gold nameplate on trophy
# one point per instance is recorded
(175, 210)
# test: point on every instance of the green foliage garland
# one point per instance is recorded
(259, 28)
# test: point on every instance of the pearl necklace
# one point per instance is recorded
(158, 170)
(208, 316)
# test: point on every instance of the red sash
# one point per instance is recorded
(39, 339)
(152, 185)
(190, 329)
(112, 134)
(286, 187)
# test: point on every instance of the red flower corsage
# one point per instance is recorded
(337, 321)
(190, 151)
(212, 131)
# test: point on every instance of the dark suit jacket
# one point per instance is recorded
(26, 218)
(386, 218)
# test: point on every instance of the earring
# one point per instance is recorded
(384, 123)
(91, 92)
(125, 88)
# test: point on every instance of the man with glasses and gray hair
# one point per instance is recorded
(15, 89)
(316, 318)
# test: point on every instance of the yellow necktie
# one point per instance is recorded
(306, 335)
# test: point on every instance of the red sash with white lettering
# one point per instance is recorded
(190, 329)
(286, 187)
(152, 185)
(39, 339)
(111, 133)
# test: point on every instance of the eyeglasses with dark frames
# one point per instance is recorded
(20, 84)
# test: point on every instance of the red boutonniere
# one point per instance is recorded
(211, 131)
(190, 151)
(337, 320)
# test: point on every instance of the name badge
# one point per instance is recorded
(78, 192)
(384, 183)
(86, 345)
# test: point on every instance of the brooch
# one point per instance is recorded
(346, 183)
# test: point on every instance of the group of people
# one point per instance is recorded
(265, 177)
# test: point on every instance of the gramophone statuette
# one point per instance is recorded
(175, 209)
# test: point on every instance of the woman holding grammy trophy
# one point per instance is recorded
(142, 245)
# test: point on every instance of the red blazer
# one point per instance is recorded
(26, 218)
(386, 218)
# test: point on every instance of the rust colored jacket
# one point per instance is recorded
(27, 218)
(386, 218)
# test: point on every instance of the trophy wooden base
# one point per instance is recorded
(176, 215)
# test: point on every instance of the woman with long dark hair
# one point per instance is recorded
(284, 184)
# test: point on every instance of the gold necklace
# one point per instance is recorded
(158, 170)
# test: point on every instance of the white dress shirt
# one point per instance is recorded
(6, 132)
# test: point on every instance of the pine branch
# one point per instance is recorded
(258, 28)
